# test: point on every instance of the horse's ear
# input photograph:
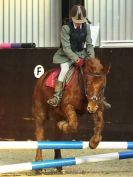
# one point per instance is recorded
(106, 69)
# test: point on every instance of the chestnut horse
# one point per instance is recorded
(85, 94)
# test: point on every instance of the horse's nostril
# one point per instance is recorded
(92, 109)
(88, 108)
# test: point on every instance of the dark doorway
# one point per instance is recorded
(72, 2)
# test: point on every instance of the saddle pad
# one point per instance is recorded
(50, 81)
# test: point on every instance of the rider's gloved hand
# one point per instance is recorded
(80, 62)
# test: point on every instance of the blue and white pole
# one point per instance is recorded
(63, 145)
(65, 162)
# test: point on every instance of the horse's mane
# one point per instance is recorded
(94, 65)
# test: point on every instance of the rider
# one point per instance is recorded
(74, 35)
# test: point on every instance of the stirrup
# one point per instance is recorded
(54, 101)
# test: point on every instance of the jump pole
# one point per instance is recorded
(63, 145)
(65, 162)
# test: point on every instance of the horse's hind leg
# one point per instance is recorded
(40, 121)
(39, 137)
(58, 156)
(98, 127)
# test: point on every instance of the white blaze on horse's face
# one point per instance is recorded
(95, 91)
(92, 105)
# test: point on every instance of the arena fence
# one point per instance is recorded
(64, 161)
(63, 145)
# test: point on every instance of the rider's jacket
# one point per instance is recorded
(72, 43)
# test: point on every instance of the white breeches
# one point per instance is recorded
(64, 69)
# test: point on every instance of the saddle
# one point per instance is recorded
(68, 80)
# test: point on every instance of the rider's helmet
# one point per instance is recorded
(78, 14)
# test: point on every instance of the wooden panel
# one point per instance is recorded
(17, 84)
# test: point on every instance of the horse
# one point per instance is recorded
(86, 94)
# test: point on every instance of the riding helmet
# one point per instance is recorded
(78, 14)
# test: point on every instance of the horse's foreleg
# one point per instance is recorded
(71, 124)
(57, 137)
(98, 126)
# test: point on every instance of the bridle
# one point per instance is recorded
(101, 92)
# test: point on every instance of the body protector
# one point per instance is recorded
(77, 37)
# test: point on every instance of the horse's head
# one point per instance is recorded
(95, 76)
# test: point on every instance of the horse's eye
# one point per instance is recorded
(94, 98)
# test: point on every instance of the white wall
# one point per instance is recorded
(36, 21)
(115, 19)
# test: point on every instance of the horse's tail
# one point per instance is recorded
(37, 105)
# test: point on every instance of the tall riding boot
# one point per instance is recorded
(55, 100)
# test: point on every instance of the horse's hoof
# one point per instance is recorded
(94, 142)
(59, 170)
(62, 171)
(63, 126)
(39, 172)
(92, 145)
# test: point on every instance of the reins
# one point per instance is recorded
(84, 82)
